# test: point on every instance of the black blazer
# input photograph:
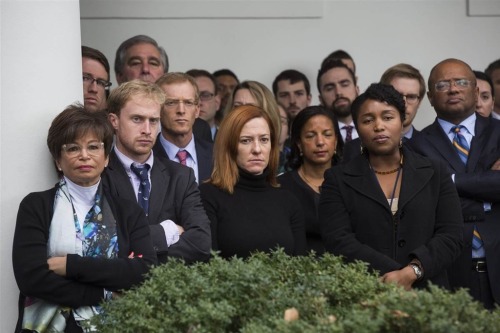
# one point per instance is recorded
(201, 130)
(86, 277)
(356, 221)
(174, 196)
(204, 152)
(475, 184)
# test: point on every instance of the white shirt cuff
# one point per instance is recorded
(171, 232)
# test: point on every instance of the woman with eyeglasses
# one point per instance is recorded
(394, 209)
(75, 246)
(247, 209)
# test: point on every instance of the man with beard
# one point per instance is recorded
(337, 89)
(292, 91)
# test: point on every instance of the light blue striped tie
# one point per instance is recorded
(460, 143)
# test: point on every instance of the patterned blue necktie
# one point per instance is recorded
(460, 143)
(145, 187)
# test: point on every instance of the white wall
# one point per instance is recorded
(377, 33)
(40, 75)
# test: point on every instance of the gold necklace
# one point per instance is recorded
(386, 172)
(301, 171)
(390, 171)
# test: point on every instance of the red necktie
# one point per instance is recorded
(182, 156)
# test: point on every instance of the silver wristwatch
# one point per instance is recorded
(417, 270)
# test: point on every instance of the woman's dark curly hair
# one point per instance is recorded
(382, 93)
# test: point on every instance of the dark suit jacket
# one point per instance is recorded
(86, 277)
(356, 221)
(201, 130)
(204, 152)
(174, 196)
(475, 184)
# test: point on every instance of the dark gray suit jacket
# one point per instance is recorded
(174, 196)
(204, 152)
(476, 183)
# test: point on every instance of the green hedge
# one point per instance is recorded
(251, 296)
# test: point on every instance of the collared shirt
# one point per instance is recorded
(409, 134)
(169, 226)
(468, 132)
(134, 180)
(495, 115)
(343, 131)
(213, 130)
(171, 150)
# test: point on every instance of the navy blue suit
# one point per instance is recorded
(476, 183)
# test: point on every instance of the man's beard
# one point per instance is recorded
(341, 111)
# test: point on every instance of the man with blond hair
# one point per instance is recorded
(166, 191)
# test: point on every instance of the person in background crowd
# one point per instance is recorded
(247, 210)
(292, 91)
(284, 148)
(337, 89)
(342, 56)
(95, 73)
(486, 100)
(493, 71)
(140, 57)
(76, 245)
(226, 82)
(177, 142)
(209, 97)
(315, 140)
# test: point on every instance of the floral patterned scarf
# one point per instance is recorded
(96, 238)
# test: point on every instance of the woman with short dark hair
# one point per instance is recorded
(75, 245)
(389, 207)
(315, 146)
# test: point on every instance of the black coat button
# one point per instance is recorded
(402, 243)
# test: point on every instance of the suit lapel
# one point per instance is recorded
(158, 149)
(159, 182)
(359, 176)
(478, 142)
(437, 138)
(119, 178)
(416, 174)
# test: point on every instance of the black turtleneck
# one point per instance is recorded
(255, 217)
